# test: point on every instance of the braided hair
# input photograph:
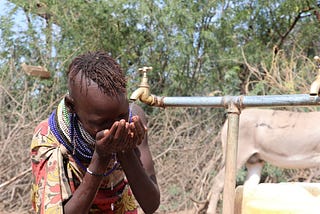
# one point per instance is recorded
(102, 69)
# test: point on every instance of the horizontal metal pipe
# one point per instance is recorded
(242, 101)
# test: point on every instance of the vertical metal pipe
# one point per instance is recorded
(231, 160)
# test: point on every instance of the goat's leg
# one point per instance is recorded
(215, 192)
(253, 177)
(253, 173)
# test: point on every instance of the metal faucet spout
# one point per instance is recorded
(143, 92)
(137, 94)
(315, 86)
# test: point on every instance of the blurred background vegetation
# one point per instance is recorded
(196, 48)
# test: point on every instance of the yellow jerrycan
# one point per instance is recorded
(281, 198)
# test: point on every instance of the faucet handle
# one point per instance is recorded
(144, 81)
(145, 69)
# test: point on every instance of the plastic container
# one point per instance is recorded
(282, 198)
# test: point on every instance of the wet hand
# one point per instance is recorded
(137, 130)
(121, 136)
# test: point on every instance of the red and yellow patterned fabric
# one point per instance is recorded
(56, 176)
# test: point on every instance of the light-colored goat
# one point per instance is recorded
(282, 138)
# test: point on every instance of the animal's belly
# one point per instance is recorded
(288, 141)
(292, 161)
(289, 147)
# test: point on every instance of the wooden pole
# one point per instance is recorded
(231, 160)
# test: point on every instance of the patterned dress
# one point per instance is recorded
(56, 176)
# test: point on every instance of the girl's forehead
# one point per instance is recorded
(89, 97)
(94, 99)
(80, 84)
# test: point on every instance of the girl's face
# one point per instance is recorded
(95, 110)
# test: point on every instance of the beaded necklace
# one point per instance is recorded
(70, 133)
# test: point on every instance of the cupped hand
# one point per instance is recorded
(121, 136)
(137, 130)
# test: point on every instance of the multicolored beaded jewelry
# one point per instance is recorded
(70, 133)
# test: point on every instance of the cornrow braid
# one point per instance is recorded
(100, 68)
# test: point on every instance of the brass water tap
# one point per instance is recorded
(143, 92)
(315, 86)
